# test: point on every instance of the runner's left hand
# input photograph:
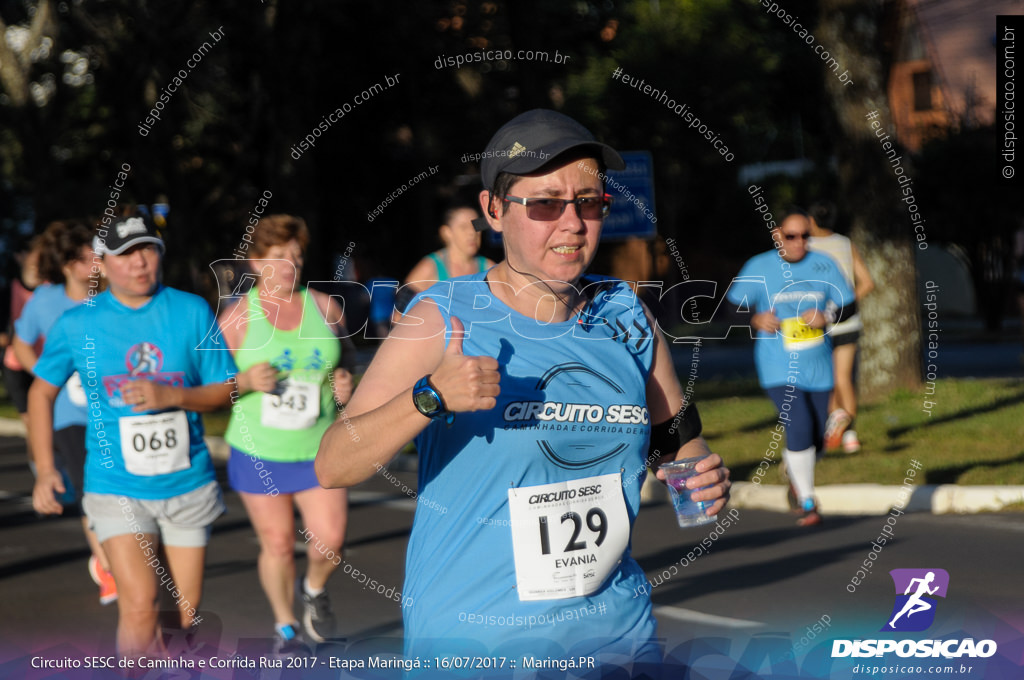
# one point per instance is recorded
(814, 318)
(713, 475)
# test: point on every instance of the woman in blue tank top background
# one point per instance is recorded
(458, 257)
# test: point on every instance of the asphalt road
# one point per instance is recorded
(762, 582)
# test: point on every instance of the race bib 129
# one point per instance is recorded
(567, 537)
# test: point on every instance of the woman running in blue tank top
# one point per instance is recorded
(534, 396)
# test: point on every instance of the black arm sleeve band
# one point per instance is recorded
(667, 437)
(846, 311)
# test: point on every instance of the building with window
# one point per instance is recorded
(943, 65)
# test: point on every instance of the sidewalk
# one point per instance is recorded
(834, 499)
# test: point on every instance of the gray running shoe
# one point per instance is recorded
(317, 617)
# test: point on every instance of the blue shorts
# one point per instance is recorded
(255, 475)
(807, 413)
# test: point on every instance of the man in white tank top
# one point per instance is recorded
(843, 407)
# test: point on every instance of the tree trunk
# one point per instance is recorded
(890, 345)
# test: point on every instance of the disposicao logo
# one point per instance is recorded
(914, 610)
(915, 605)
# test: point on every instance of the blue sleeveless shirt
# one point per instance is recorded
(572, 410)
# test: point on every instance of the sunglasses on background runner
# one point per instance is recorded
(803, 236)
(550, 209)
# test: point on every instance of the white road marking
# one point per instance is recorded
(693, 616)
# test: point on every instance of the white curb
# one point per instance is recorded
(879, 499)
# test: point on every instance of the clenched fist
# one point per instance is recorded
(261, 377)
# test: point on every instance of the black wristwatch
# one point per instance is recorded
(428, 401)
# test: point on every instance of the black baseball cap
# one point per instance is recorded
(125, 233)
(533, 139)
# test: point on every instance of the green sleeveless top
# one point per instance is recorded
(442, 271)
(286, 426)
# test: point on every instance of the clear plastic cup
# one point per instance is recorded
(689, 513)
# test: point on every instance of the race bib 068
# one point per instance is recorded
(155, 444)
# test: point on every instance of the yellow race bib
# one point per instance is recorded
(798, 335)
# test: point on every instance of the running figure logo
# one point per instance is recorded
(143, 359)
(914, 609)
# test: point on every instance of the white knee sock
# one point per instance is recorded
(800, 466)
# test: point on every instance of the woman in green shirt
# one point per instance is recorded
(288, 380)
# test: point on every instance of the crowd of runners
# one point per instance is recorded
(529, 389)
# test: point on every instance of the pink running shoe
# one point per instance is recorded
(104, 579)
(836, 424)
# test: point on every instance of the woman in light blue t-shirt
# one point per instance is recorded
(148, 367)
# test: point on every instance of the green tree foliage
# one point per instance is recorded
(231, 129)
(227, 133)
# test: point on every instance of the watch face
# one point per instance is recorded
(426, 402)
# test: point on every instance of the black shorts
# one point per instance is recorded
(69, 458)
(850, 338)
(17, 383)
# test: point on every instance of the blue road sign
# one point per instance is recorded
(632, 192)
